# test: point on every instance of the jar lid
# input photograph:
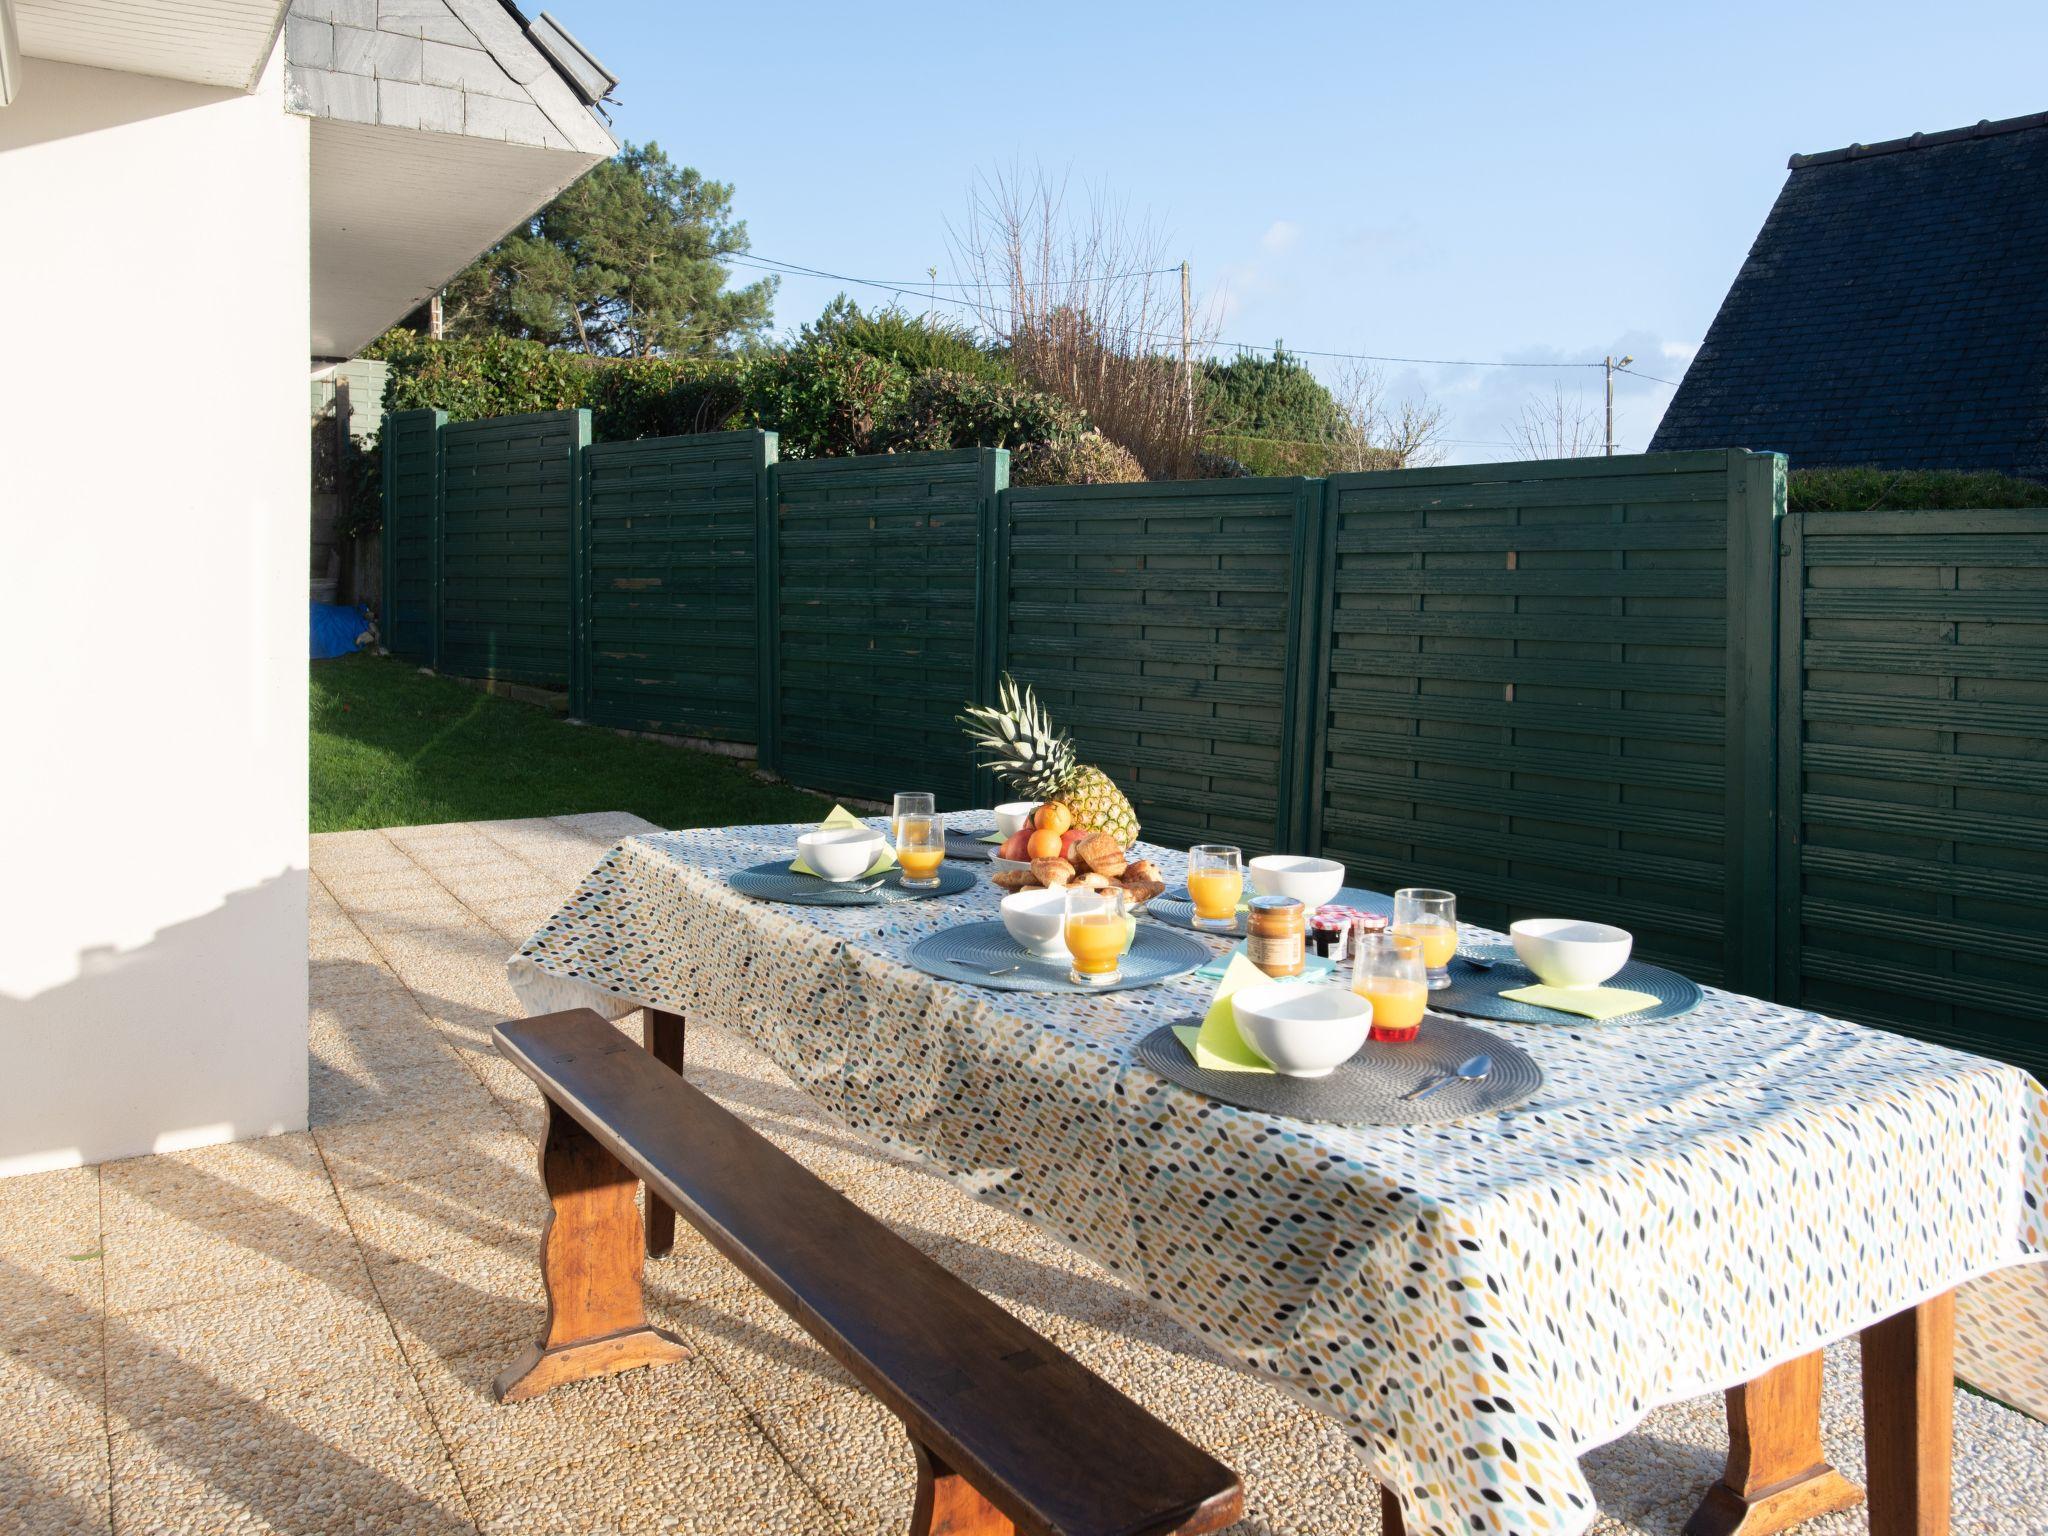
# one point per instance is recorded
(1273, 903)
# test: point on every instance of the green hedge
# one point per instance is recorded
(824, 398)
(1910, 490)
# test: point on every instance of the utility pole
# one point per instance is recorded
(1187, 336)
(931, 310)
(1611, 366)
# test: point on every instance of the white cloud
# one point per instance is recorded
(1679, 351)
(1281, 236)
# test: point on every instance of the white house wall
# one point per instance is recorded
(153, 507)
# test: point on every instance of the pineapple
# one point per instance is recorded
(1038, 763)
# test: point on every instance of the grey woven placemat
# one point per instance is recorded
(1476, 994)
(965, 842)
(775, 881)
(1173, 906)
(1367, 1089)
(968, 953)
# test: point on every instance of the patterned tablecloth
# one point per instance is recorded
(1681, 1206)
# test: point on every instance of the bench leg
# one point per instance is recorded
(590, 1260)
(663, 1033)
(947, 1506)
(1909, 1418)
(1777, 1473)
(1391, 1523)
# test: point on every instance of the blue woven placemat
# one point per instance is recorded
(969, 952)
(775, 881)
(1476, 994)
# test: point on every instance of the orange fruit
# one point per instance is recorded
(1044, 844)
(1055, 817)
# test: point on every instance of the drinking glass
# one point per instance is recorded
(1215, 885)
(910, 803)
(1097, 931)
(920, 847)
(1387, 971)
(1431, 919)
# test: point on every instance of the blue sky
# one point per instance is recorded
(1490, 182)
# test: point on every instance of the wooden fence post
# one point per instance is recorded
(767, 600)
(1756, 508)
(991, 591)
(579, 569)
(1308, 694)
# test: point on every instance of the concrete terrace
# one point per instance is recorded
(298, 1334)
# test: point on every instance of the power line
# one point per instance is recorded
(925, 293)
(923, 286)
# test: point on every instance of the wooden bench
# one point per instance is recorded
(1010, 1433)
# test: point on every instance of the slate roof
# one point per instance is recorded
(1893, 311)
(479, 68)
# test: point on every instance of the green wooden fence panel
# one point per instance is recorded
(876, 625)
(411, 451)
(674, 585)
(1159, 623)
(1548, 687)
(509, 555)
(1913, 862)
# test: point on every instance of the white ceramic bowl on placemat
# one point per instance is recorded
(1312, 882)
(1037, 920)
(1012, 816)
(1568, 953)
(1303, 1030)
(840, 853)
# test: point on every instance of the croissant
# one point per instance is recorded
(1014, 880)
(1099, 851)
(1052, 873)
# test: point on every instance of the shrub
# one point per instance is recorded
(919, 345)
(1918, 490)
(1271, 397)
(1270, 456)
(954, 410)
(1087, 458)
(824, 401)
(491, 376)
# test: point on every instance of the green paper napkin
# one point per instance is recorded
(1316, 967)
(842, 817)
(994, 837)
(1588, 1002)
(1217, 1046)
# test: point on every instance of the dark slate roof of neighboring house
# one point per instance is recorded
(1893, 311)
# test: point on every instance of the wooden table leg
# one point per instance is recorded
(1777, 1473)
(1909, 1418)
(1391, 1523)
(663, 1033)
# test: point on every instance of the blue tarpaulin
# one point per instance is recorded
(338, 629)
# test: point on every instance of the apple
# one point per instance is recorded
(1016, 847)
(1067, 840)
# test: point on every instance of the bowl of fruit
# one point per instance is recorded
(1082, 829)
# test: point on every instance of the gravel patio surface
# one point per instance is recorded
(298, 1334)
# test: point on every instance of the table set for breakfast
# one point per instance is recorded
(1482, 1282)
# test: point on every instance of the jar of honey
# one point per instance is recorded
(1277, 936)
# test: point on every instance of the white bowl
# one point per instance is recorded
(840, 853)
(1312, 882)
(1011, 818)
(1303, 1030)
(1566, 952)
(1037, 920)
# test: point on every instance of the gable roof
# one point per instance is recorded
(1893, 311)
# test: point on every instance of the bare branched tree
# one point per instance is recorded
(1090, 307)
(1557, 428)
(1385, 433)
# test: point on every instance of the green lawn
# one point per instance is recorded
(392, 748)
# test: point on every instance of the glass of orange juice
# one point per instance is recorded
(1431, 919)
(920, 848)
(1097, 935)
(1387, 971)
(1215, 885)
(913, 802)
